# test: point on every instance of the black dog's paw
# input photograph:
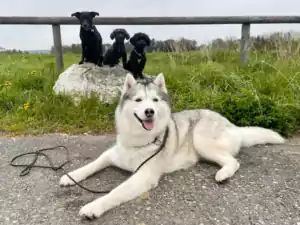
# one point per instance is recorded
(100, 64)
(80, 62)
(141, 76)
(138, 76)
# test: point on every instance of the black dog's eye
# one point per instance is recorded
(138, 100)
(155, 99)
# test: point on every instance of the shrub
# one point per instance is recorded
(247, 109)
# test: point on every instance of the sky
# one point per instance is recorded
(30, 37)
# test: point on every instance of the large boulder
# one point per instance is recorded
(82, 80)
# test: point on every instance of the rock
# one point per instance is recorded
(82, 80)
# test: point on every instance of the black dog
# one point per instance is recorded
(117, 50)
(91, 40)
(137, 60)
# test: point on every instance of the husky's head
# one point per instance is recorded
(144, 106)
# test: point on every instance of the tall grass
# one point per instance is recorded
(265, 92)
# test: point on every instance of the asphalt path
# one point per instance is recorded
(265, 190)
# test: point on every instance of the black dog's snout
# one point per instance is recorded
(149, 112)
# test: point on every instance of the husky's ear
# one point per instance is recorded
(129, 83)
(160, 82)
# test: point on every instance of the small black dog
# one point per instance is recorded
(137, 60)
(117, 50)
(91, 40)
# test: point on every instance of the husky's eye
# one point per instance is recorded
(138, 100)
(155, 99)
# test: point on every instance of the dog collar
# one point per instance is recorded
(139, 54)
(161, 147)
(157, 141)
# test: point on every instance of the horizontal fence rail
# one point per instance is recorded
(245, 21)
(152, 20)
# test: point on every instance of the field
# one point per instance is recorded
(265, 92)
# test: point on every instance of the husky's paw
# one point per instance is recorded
(222, 175)
(226, 172)
(66, 181)
(91, 210)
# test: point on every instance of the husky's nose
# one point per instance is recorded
(149, 112)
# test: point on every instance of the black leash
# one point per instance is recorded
(40, 152)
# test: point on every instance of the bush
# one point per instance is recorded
(246, 109)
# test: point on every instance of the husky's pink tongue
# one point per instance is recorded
(148, 124)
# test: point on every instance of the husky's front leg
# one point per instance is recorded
(139, 183)
(103, 161)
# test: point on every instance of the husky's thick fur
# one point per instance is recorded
(142, 118)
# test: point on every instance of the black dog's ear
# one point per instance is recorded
(148, 41)
(146, 38)
(127, 36)
(76, 14)
(112, 35)
(94, 14)
(134, 38)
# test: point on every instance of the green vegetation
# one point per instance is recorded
(265, 92)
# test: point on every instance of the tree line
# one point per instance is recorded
(273, 41)
(169, 45)
(269, 42)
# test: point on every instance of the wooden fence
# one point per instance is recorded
(245, 21)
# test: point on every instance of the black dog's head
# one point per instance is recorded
(119, 35)
(140, 40)
(86, 19)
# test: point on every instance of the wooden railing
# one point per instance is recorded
(245, 21)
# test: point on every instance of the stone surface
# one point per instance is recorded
(79, 80)
(264, 191)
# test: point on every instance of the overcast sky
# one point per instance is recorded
(40, 37)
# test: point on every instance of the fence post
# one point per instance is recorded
(245, 42)
(58, 47)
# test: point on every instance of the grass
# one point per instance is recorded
(265, 92)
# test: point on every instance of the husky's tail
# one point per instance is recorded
(258, 135)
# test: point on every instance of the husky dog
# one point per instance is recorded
(145, 123)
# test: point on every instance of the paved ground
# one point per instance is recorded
(264, 191)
